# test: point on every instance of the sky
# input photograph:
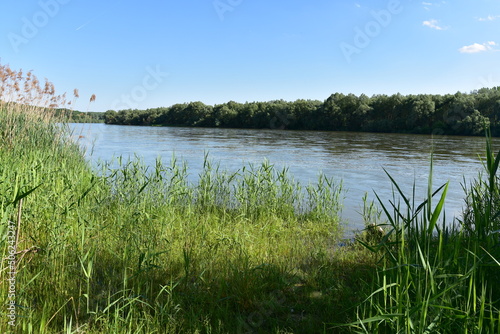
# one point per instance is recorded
(155, 53)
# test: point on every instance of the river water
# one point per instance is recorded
(356, 159)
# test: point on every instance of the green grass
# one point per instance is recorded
(127, 248)
(433, 277)
(136, 249)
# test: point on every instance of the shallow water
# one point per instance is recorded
(357, 159)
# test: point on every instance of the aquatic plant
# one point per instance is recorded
(437, 277)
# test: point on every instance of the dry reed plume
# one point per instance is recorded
(21, 93)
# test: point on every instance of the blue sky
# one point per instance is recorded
(143, 54)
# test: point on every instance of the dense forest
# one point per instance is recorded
(459, 114)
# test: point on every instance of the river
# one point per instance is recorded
(358, 159)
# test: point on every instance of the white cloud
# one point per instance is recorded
(434, 24)
(476, 47)
(489, 18)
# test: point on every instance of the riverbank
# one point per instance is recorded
(131, 249)
(355, 159)
(136, 250)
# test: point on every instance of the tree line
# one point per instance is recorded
(75, 116)
(455, 114)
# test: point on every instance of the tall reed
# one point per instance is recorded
(437, 277)
(126, 248)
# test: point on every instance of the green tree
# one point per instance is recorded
(110, 117)
(421, 110)
(455, 109)
(225, 115)
(331, 115)
(305, 114)
(198, 114)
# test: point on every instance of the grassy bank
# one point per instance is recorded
(434, 277)
(131, 249)
(135, 249)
